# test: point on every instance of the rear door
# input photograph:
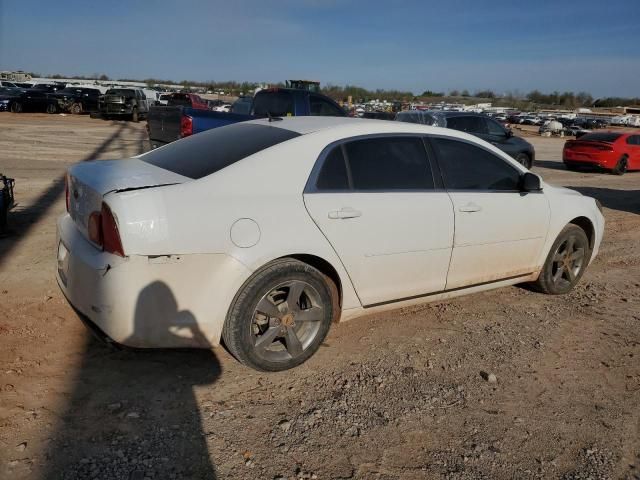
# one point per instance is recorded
(499, 230)
(375, 200)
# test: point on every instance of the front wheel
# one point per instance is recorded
(523, 159)
(566, 262)
(51, 108)
(16, 107)
(76, 108)
(280, 316)
(621, 167)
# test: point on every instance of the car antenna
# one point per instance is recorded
(272, 119)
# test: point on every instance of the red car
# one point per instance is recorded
(617, 152)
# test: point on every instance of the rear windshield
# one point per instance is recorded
(121, 91)
(609, 137)
(207, 152)
(178, 99)
(276, 104)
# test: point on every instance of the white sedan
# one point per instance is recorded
(263, 233)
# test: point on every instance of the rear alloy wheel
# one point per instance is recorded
(281, 316)
(16, 107)
(51, 108)
(76, 108)
(566, 262)
(523, 159)
(621, 166)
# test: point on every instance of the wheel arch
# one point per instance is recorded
(585, 224)
(324, 267)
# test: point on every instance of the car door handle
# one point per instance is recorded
(470, 207)
(345, 212)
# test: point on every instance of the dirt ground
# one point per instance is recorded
(398, 395)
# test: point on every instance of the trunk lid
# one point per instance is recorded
(89, 182)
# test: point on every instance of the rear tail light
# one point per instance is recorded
(103, 231)
(186, 126)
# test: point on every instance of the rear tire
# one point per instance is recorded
(267, 328)
(52, 108)
(76, 108)
(16, 107)
(621, 166)
(566, 262)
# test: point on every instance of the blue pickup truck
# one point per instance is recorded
(168, 123)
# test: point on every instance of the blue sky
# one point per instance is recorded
(503, 45)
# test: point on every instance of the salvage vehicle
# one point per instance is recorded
(31, 100)
(124, 102)
(75, 100)
(264, 233)
(616, 152)
(190, 100)
(166, 124)
(479, 125)
(7, 201)
(7, 94)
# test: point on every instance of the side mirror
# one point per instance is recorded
(530, 182)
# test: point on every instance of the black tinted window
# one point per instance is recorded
(276, 104)
(494, 128)
(468, 123)
(633, 140)
(333, 174)
(207, 152)
(322, 107)
(392, 163)
(467, 167)
(609, 137)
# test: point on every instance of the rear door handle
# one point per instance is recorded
(345, 212)
(470, 208)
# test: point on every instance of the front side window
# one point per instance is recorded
(467, 167)
(321, 107)
(389, 163)
(633, 140)
(494, 128)
(469, 124)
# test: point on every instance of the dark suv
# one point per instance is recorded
(475, 124)
(119, 102)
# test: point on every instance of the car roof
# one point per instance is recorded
(349, 126)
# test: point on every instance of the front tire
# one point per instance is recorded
(52, 108)
(621, 166)
(566, 262)
(76, 108)
(281, 316)
(16, 107)
(523, 159)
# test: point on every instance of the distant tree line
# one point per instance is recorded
(359, 94)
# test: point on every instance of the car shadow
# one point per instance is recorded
(622, 200)
(133, 413)
(554, 165)
(23, 220)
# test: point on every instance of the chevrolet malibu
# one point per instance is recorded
(264, 233)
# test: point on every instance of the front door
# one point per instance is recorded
(499, 230)
(375, 202)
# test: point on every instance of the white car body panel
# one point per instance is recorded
(194, 243)
(399, 246)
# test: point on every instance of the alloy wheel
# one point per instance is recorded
(567, 262)
(286, 321)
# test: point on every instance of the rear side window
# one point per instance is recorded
(391, 163)
(178, 99)
(276, 104)
(333, 174)
(467, 167)
(208, 152)
(468, 124)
